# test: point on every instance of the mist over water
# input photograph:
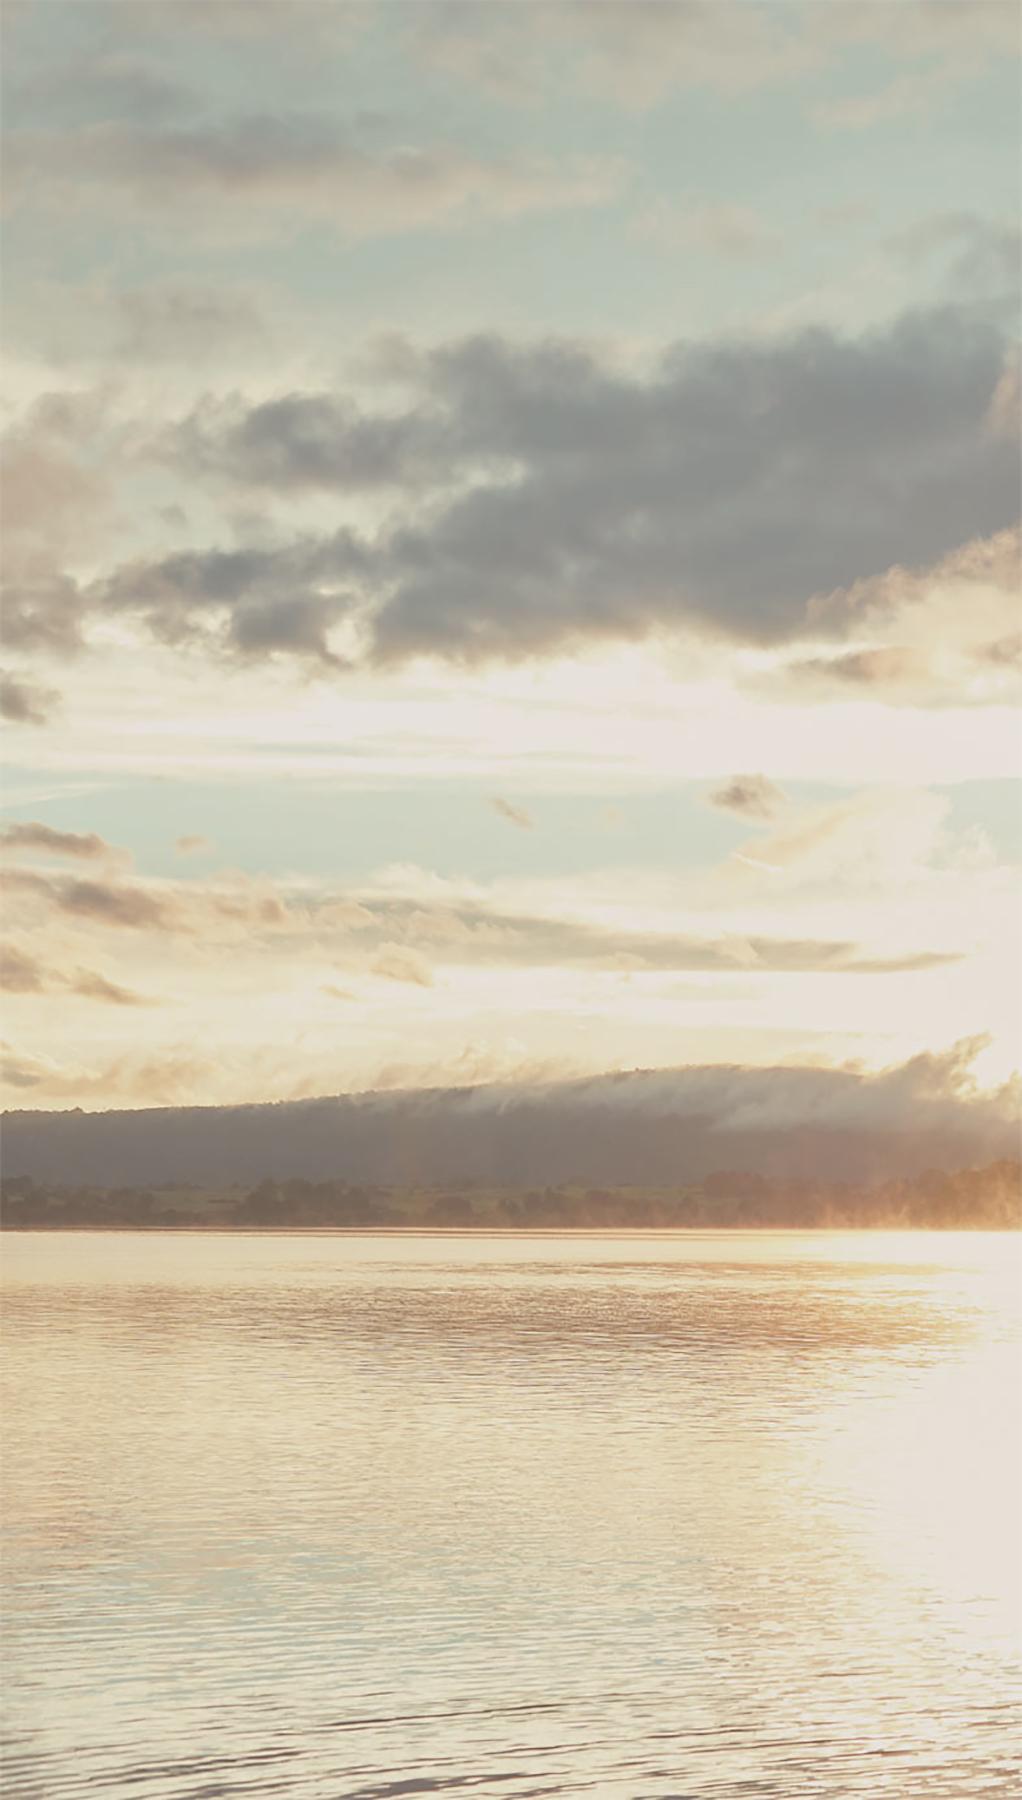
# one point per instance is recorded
(351, 1517)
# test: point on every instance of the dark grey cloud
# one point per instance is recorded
(543, 499)
(314, 441)
(750, 796)
(248, 603)
(297, 625)
(26, 702)
(731, 492)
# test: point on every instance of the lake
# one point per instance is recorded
(331, 1516)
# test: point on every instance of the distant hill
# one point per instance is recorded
(646, 1127)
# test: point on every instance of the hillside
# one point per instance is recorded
(648, 1128)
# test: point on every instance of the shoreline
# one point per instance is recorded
(503, 1231)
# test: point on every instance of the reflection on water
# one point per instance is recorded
(695, 1515)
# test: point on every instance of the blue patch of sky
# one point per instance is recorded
(275, 827)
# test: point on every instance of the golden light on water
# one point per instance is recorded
(647, 1497)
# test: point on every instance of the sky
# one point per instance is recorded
(511, 542)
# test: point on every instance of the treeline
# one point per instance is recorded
(986, 1198)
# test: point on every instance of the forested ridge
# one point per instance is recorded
(989, 1197)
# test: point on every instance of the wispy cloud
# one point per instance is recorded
(22, 973)
(30, 835)
(284, 169)
(24, 701)
(749, 796)
(515, 815)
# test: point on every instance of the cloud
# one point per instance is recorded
(287, 25)
(636, 53)
(19, 1069)
(515, 815)
(754, 862)
(56, 508)
(192, 844)
(1005, 651)
(399, 937)
(105, 83)
(914, 91)
(160, 1081)
(727, 493)
(91, 986)
(44, 612)
(279, 170)
(931, 48)
(218, 911)
(884, 840)
(493, 938)
(395, 963)
(26, 702)
(750, 796)
(887, 666)
(938, 636)
(247, 604)
(175, 322)
(979, 257)
(738, 233)
(21, 973)
(106, 903)
(304, 442)
(741, 490)
(472, 931)
(51, 493)
(633, 53)
(33, 836)
(298, 625)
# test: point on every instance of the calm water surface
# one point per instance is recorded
(333, 1517)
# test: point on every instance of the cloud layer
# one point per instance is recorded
(541, 499)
